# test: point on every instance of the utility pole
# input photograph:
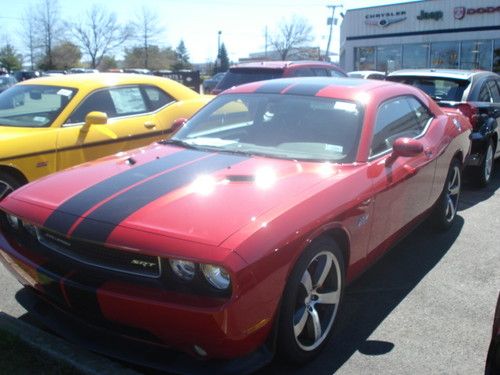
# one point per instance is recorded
(331, 21)
(265, 49)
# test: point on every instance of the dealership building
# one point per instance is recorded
(459, 34)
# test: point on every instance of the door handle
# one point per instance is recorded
(149, 125)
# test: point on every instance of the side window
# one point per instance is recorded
(422, 113)
(321, 72)
(128, 101)
(156, 98)
(494, 90)
(303, 72)
(335, 73)
(395, 118)
(97, 101)
(484, 94)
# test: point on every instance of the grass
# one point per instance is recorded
(16, 357)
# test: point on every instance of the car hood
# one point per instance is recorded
(12, 132)
(167, 190)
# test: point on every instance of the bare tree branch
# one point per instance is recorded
(99, 34)
(290, 35)
(146, 27)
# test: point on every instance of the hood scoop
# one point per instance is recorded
(240, 178)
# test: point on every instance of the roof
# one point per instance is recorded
(443, 73)
(93, 80)
(280, 64)
(311, 86)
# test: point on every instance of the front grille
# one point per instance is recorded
(101, 256)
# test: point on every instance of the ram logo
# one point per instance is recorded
(142, 263)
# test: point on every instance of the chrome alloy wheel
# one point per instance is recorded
(317, 301)
(488, 163)
(452, 193)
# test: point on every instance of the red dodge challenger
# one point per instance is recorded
(237, 236)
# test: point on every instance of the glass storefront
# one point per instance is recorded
(445, 55)
(473, 54)
(388, 58)
(415, 55)
(476, 55)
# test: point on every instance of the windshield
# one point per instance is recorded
(239, 76)
(438, 88)
(33, 105)
(283, 126)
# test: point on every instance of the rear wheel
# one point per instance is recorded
(311, 301)
(446, 207)
(8, 184)
(483, 173)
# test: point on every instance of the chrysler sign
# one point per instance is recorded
(385, 19)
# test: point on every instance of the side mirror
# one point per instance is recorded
(406, 147)
(94, 118)
(177, 124)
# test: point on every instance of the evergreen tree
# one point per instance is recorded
(9, 59)
(222, 63)
(182, 57)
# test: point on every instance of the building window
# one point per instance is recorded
(496, 56)
(415, 55)
(476, 55)
(388, 58)
(444, 55)
(364, 58)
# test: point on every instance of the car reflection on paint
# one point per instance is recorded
(236, 238)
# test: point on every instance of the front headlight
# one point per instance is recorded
(13, 221)
(184, 269)
(216, 276)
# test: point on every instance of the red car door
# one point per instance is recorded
(401, 185)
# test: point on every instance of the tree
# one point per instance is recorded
(158, 58)
(182, 57)
(66, 55)
(108, 62)
(29, 34)
(222, 63)
(291, 35)
(9, 59)
(99, 34)
(49, 27)
(146, 27)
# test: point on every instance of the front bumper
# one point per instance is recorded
(143, 312)
(479, 142)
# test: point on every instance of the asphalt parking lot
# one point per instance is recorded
(426, 307)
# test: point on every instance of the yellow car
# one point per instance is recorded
(52, 123)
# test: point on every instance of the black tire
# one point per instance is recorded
(445, 210)
(8, 184)
(310, 301)
(482, 174)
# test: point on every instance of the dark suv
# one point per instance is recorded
(260, 71)
(477, 95)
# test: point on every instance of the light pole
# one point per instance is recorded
(330, 21)
(217, 60)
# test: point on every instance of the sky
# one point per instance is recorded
(242, 23)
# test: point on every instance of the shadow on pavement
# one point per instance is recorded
(472, 195)
(370, 299)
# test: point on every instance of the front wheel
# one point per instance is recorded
(8, 184)
(311, 301)
(446, 207)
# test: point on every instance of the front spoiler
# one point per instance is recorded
(131, 350)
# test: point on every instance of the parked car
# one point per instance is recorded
(23, 75)
(241, 231)
(52, 123)
(477, 95)
(264, 70)
(7, 81)
(493, 358)
(367, 74)
(210, 83)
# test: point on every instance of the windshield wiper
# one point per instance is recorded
(177, 142)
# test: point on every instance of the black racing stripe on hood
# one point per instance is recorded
(99, 224)
(69, 212)
(310, 89)
(273, 87)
